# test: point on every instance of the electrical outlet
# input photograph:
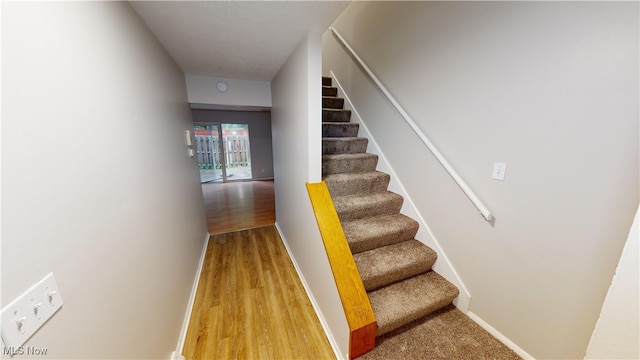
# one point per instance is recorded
(499, 169)
(26, 314)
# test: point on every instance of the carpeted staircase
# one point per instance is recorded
(395, 268)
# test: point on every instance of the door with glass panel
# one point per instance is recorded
(208, 150)
(223, 152)
(237, 154)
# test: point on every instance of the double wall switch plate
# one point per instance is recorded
(26, 314)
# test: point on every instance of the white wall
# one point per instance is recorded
(203, 90)
(297, 152)
(549, 88)
(97, 186)
(617, 332)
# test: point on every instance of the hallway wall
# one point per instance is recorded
(296, 128)
(97, 186)
(616, 333)
(202, 91)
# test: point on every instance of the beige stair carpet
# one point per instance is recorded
(411, 302)
(443, 334)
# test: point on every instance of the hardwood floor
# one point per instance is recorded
(250, 303)
(239, 205)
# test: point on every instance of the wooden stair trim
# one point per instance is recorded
(355, 302)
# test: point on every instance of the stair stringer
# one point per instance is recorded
(443, 265)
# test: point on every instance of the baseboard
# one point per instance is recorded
(262, 179)
(505, 340)
(177, 354)
(443, 266)
(323, 322)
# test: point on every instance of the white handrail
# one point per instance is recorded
(454, 175)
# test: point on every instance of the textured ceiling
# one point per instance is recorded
(235, 39)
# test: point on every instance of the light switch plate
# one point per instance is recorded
(26, 314)
(498, 171)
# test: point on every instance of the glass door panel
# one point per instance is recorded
(208, 149)
(223, 152)
(237, 154)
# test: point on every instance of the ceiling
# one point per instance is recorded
(248, 40)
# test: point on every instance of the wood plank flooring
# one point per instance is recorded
(239, 205)
(250, 303)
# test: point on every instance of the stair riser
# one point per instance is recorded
(358, 211)
(335, 166)
(340, 129)
(412, 316)
(389, 264)
(360, 185)
(367, 236)
(329, 91)
(326, 81)
(399, 273)
(332, 102)
(336, 115)
(403, 302)
(332, 146)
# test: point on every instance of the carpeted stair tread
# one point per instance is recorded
(342, 163)
(327, 80)
(344, 145)
(340, 129)
(329, 91)
(372, 232)
(408, 300)
(332, 102)
(443, 334)
(389, 264)
(352, 207)
(336, 115)
(357, 183)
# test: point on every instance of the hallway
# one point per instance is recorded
(250, 302)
